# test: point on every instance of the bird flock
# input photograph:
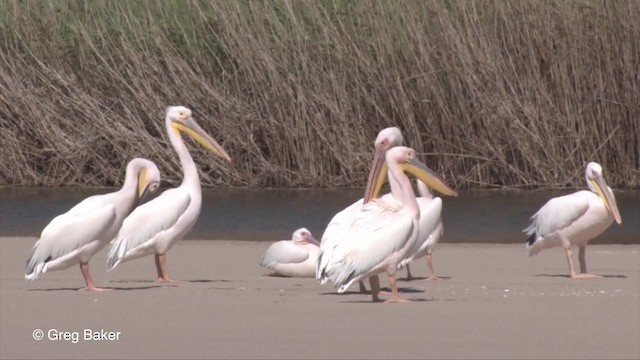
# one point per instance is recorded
(376, 234)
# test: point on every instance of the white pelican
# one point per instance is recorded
(75, 236)
(575, 219)
(153, 228)
(380, 237)
(297, 257)
(386, 139)
(429, 241)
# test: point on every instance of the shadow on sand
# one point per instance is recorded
(568, 277)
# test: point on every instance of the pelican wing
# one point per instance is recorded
(284, 252)
(147, 222)
(68, 232)
(557, 214)
(430, 211)
(375, 233)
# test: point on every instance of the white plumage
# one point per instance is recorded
(379, 237)
(157, 225)
(293, 258)
(75, 236)
(574, 219)
(427, 241)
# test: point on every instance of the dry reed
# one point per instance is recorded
(509, 94)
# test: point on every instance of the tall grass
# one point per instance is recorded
(492, 93)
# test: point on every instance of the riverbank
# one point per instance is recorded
(496, 302)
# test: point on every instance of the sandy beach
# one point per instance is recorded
(496, 302)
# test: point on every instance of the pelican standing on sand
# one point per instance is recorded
(297, 257)
(429, 241)
(75, 236)
(386, 139)
(575, 219)
(380, 237)
(156, 226)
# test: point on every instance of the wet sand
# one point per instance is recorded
(496, 303)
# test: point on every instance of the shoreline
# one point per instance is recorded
(496, 302)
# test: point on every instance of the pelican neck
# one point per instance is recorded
(189, 170)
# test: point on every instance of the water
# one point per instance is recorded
(268, 215)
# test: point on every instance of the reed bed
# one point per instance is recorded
(492, 94)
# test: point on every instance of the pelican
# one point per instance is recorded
(156, 226)
(380, 238)
(430, 240)
(293, 258)
(75, 236)
(386, 139)
(574, 219)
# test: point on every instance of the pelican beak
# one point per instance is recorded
(377, 175)
(416, 168)
(605, 193)
(313, 240)
(143, 186)
(191, 128)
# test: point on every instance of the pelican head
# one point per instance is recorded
(406, 158)
(387, 138)
(148, 177)
(303, 236)
(180, 119)
(598, 185)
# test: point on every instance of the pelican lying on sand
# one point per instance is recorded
(156, 226)
(293, 258)
(382, 238)
(75, 236)
(575, 219)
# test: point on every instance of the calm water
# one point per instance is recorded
(268, 215)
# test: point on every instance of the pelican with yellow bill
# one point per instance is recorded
(575, 219)
(154, 227)
(75, 236)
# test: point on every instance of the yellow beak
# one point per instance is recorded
(607, 197)
(415, 168)
(191, 128)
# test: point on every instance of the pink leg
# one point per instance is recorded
(568, 252)
(161, 267)
(432, 274)
(84, 267)
(394, 291)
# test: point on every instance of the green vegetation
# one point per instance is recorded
(492, 93)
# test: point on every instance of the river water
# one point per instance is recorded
(268, 215)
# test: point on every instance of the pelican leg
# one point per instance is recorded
(394, 291)
(409, 276)
(432, 274)
(583, 265)
(84, 267)
(363, 289)
(568, 252)
(161, 267)
(374, 281)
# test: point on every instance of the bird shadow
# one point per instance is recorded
(118, 288)
(423, 278)
(383, 301)
(385, 289)
(568, 277)
(177, 282)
